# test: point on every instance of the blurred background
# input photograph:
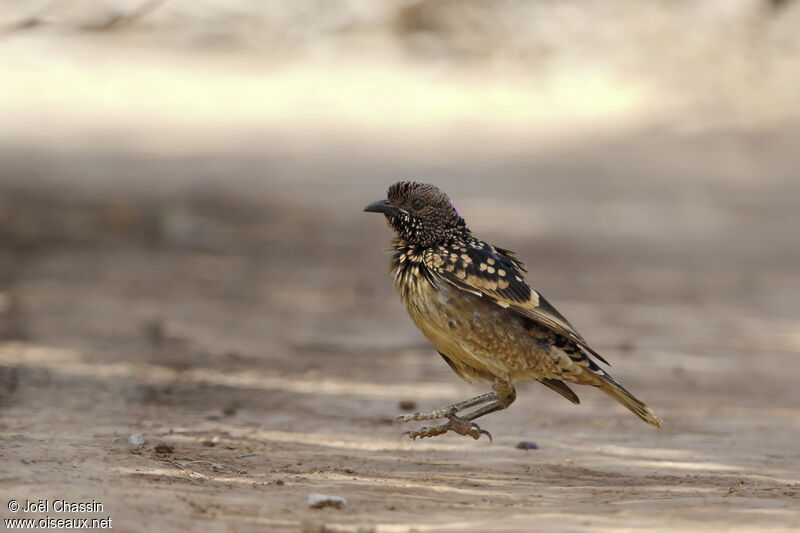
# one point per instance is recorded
(182, 243)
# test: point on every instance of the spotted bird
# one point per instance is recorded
(471, 301)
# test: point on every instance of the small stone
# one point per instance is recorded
(280, 482)
(136, 440)
(164, 447)
(408, 405)
(527, 445)
(318, 501)
(210, 442)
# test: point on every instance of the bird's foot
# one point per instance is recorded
(456, 424)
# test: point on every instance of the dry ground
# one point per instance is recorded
(179, 299)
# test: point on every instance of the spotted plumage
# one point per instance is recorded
(471, 301)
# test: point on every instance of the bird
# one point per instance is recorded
(471, 300)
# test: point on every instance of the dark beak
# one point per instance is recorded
(383, 206)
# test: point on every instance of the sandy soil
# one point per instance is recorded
(250, 322)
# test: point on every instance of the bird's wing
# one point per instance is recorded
(481, 269)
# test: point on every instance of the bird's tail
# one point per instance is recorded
(618, 392)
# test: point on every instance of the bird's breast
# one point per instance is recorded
(471, 330)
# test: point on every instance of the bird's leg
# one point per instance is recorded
(503, 396)
(449, 410)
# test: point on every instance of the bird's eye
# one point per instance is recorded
(418, 204)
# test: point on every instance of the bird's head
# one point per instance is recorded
(420, 213)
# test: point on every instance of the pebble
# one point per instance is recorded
(527, 445)
(136, 440)
(318, 501)
(164, 447)
(407, 405)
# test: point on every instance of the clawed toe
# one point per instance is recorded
(465, 427)
(427, 432)
(412, 417)
(455, 424)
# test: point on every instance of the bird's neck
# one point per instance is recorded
(405, 254)
(408, 268)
